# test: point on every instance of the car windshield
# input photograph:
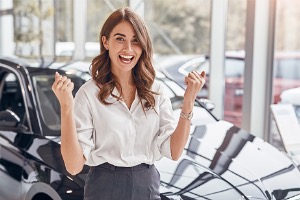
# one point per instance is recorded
(47, 101)
(234, 68)
(287, 69)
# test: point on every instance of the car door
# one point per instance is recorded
(11, 164)
(12, 123)
(30, 164)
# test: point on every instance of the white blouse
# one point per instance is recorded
(119, 136)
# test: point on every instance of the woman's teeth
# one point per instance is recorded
(126, 57)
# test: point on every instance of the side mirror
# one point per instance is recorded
(9, 119)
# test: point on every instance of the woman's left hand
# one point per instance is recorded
(194, 81)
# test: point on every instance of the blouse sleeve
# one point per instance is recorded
(167, 124)
(84, 123)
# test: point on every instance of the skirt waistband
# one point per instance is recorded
(116, 168)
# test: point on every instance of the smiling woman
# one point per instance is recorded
(124, 50)
(125, 45)
(122, 88)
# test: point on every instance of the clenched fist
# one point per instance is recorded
(62, 88)
(194, 81)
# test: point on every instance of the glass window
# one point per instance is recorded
(287, 69)
(236, 25)
(234, 68)
(64, 45)
(97, 12)
(286, 76)
(33, 28)
(180, 33)
(37, 30)
(179, 27)
(234, 62)
(65, 21)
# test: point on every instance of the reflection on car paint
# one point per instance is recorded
(224, 164)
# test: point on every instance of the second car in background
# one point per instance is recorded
(286, 76)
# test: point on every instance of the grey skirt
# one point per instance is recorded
(107, 182)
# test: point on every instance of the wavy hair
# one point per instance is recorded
(143, 72)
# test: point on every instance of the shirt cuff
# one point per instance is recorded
(86, 150)
(166, 148)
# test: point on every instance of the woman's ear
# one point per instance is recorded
(104, 42)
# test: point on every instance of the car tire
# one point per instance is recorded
(41, 196)
(42, 191)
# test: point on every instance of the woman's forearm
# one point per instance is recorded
(194, 81)
(70, 147)
(181, 134)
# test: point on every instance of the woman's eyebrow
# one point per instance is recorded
(120, 34)
(123, 35)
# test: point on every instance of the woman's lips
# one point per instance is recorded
(126, 58)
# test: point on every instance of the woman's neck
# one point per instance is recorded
(125, 79)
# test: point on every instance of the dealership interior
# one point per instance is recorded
(240, 141)
(249, 49)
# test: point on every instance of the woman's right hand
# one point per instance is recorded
(70, 148)
(62, 88)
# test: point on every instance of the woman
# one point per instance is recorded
(120, 122)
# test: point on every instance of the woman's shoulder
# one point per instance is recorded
(90, 84)
(157, 85)
(88, 88)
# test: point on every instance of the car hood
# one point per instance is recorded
(222, 161)
(291, 96)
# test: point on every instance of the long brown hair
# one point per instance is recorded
(143, 73)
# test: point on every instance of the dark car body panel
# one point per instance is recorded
(220, 162)
(30, 161)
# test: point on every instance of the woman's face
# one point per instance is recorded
(123, 47)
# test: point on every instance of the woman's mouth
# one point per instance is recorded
(125, 58)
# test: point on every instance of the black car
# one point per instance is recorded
(220, 162)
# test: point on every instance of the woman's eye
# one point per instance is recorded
(135, 41)
(120, 39)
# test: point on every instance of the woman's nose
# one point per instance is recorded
(127, 46)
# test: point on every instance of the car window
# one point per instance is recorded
(47, 101)
(287, 69)
(234, 68)
(12, 100)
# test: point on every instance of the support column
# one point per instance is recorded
(258, 66)
(80, 10)
(217, 56)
